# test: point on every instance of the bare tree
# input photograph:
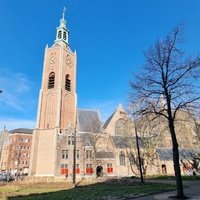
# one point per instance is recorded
(190, 160)
(166, 85)
(197, 129)
(151, 135)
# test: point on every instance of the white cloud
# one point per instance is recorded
(15, 90)
(16, 100)
(12, 123)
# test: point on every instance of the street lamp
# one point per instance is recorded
(74, 154)
(74, 160)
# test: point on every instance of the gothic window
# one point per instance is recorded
(64, 154)
(122, 158)
(51, 82)
(59, 34)
(119, 127)
(67, 83)
(70, 140)
(88, 154)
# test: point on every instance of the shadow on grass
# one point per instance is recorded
(184, 178)
(111, 189)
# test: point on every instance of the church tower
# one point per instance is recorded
(57, 102)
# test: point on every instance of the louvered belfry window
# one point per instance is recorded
(67, 83)
(51, 82)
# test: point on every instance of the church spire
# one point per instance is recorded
(62, 33)
(64, 10)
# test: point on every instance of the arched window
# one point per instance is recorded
(64, 35)
(122, 158)
(59, 34)
(164, 169)
(132, 159)
(51, 82)
(120, 127)
(67, 83)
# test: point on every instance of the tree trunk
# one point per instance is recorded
(175, 151)
(138, 151)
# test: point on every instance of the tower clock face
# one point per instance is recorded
(68, 61)
(52, 60)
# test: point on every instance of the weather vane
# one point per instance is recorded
(64, 11)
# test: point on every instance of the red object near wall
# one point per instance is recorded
(89, 170)
(64, 171)
(77, 171)
(109, 169)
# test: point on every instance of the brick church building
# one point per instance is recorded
(107, 149)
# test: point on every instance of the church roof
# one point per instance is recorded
(87, 139)
(166, 154)
(119, 109)
(89, 121)
(108, 121)
(104, 154)
(22, 130)
(121, 142)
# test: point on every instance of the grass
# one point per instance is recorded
(98, 191)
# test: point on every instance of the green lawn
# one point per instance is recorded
(58, 191)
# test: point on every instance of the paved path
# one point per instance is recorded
(193, 191)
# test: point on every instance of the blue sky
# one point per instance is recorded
(108, 35)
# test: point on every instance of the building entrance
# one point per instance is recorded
(99, 171)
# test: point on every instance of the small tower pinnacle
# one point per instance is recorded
(62, 33)
(64, 10)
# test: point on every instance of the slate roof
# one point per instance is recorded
(166, 154)
(104, 154)
(107, 121)
(89, 121)
(121, 142)
(87, 139)
(119, 109)
(22, 130)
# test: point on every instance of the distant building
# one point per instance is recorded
(3, 139)
(16, 149)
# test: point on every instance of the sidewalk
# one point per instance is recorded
(192, 191)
